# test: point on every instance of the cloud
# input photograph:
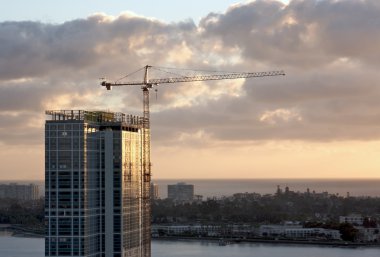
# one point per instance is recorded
(329, 50)
(279, 115)
(302, 34)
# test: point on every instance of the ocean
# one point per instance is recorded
(226, 187)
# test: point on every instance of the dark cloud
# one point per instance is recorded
(304, 33)
(32, 49)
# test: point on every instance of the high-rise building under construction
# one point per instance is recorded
(97, 196)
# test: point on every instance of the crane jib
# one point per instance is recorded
(154, 81)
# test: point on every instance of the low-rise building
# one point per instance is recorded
(312, 233)
(368, 234)
(19, 192)
(298, 232)
(181, 230)
(354, 219)
(181, 192)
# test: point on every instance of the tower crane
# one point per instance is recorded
(146, 85)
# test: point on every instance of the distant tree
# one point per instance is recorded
(348, 231)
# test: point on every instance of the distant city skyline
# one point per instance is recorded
(319, 121)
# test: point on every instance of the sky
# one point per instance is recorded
(165, 10)
(321, 120)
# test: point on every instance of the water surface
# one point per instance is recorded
(34, 247)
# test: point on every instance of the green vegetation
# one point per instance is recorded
(266, 209)
(310, 209)
(27, 214)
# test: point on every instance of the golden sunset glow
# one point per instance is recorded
(321, 120)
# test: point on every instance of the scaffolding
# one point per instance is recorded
(94, 116)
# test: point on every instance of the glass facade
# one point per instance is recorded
(94, 186)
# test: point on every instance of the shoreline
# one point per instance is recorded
(17, 231)
(269, 241)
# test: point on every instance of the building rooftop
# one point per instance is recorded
(93, 116)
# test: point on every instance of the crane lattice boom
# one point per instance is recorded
(207, 77)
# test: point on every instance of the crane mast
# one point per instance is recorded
(146, 85)
(146, 171)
